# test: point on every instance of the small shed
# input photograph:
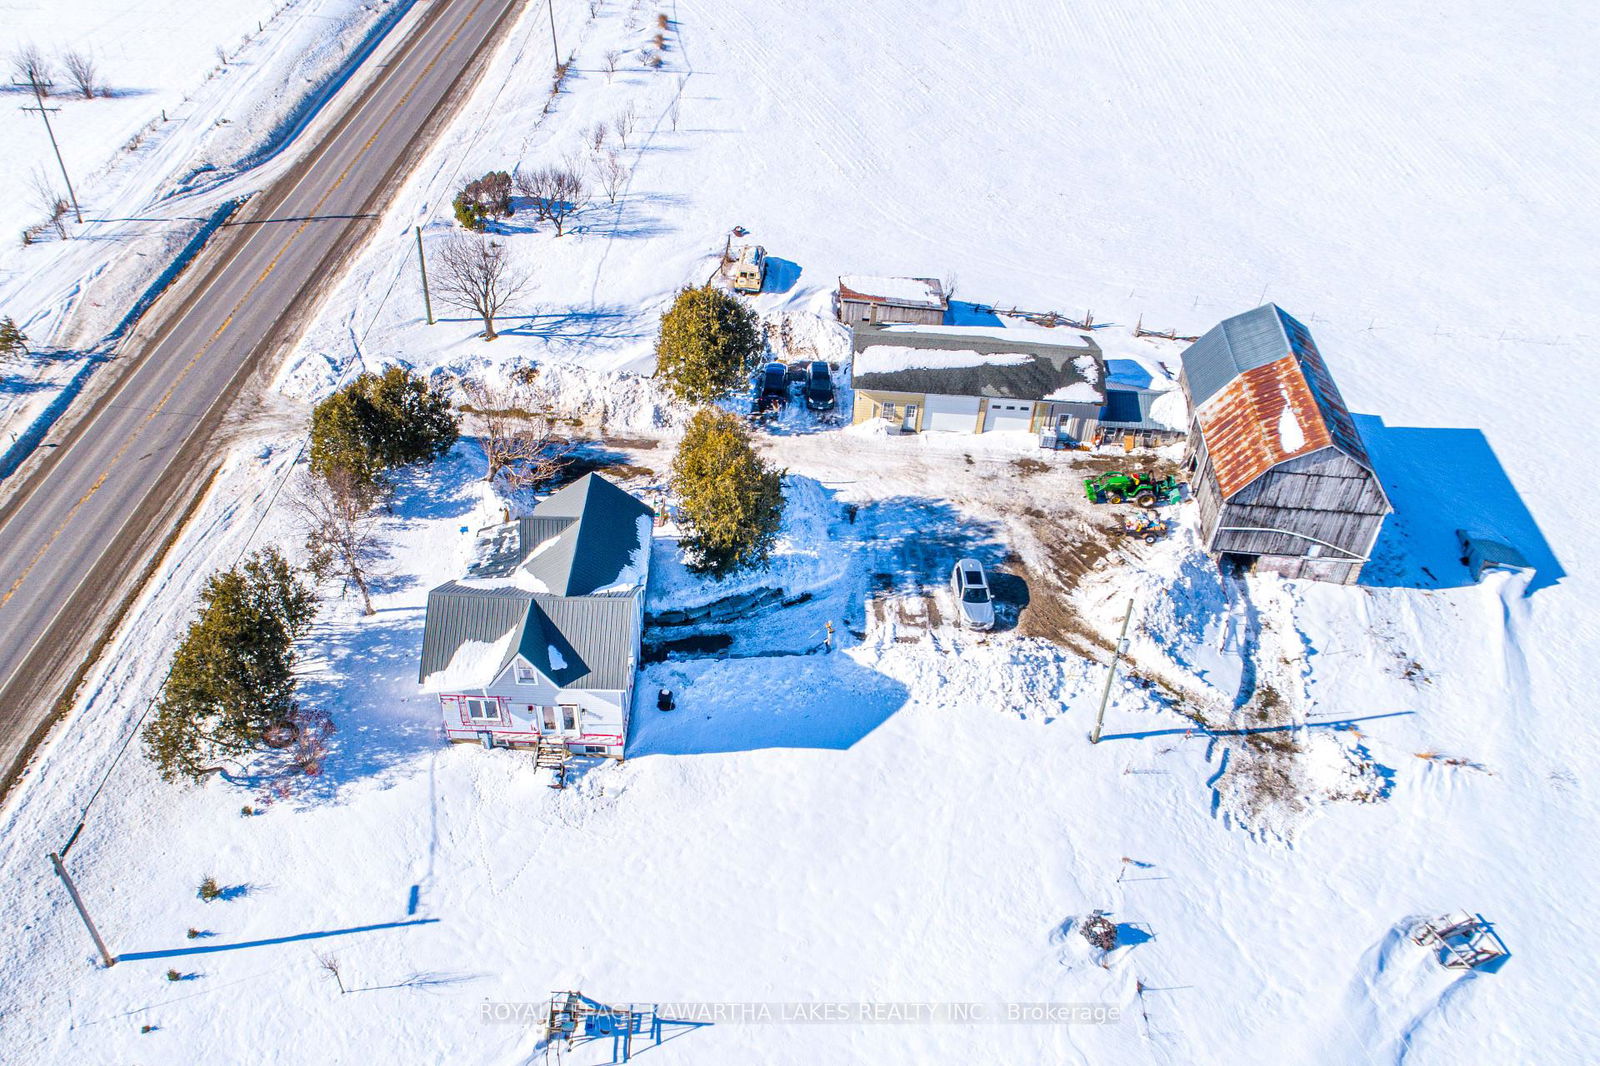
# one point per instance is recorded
(1280, 473)
(882, 300)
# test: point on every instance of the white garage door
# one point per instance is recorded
(1008, 414)
(950, 414)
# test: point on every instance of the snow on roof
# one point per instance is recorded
(474, 664)
(1021, 332)
(907, 292)
(1077, 392)
(888, 358)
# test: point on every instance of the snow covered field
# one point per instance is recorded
(917, 815)
(195, 111)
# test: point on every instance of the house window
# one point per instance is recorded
(595, 749)
(482, 710)
(888, 409)
(569, 718)
(549, 717)
(526, 675)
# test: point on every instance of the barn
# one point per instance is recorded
(1282, 479)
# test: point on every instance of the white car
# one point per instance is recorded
(970, 586)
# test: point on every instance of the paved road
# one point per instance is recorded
(85, 520)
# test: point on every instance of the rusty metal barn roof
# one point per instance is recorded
(1262, 394)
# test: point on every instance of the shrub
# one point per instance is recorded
(708, 344)
(13, 342)
(730, 498)
(209, 890)
(379, 422)
(482, 199)
(174, 975)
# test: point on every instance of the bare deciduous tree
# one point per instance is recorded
(336, 513)
(84, 73)
(613, 176)
(556, 192)
(47, 198)
(597, 135)
(475, 275)
(613, 57)
(522, 435)
(330, 963)
(30, 64)
(624, 123)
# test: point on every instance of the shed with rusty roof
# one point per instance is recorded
(881, 300)
(1281, 476)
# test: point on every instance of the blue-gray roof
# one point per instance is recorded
(1233, 346)
(576, 544)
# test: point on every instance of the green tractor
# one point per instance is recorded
(1144, 490)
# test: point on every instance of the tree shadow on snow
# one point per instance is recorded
(1439, 481)
(367, 681)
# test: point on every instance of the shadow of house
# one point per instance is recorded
(1442, 480)
(747, 704)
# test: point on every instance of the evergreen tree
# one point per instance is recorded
(381, 421)
(708, 344)
(13, 342)
(233, 675)
(733, 501)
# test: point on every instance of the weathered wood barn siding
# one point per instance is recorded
(855, 312)
(1332, 503)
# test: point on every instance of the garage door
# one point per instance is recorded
(1008, 414)
(950, 414)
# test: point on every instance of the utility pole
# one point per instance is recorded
(1111, 674)
(550, 6)
(422, 262)
(83, 912)
(38, 96)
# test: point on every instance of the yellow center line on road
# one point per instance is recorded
(228, 320)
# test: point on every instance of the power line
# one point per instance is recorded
(44, 113)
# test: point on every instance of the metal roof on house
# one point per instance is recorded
(576, 541)
(1261, 394)
(1025, 368)
(571, 611)
(579, 642)
(896, 292)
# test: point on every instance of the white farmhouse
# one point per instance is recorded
(538, 645)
